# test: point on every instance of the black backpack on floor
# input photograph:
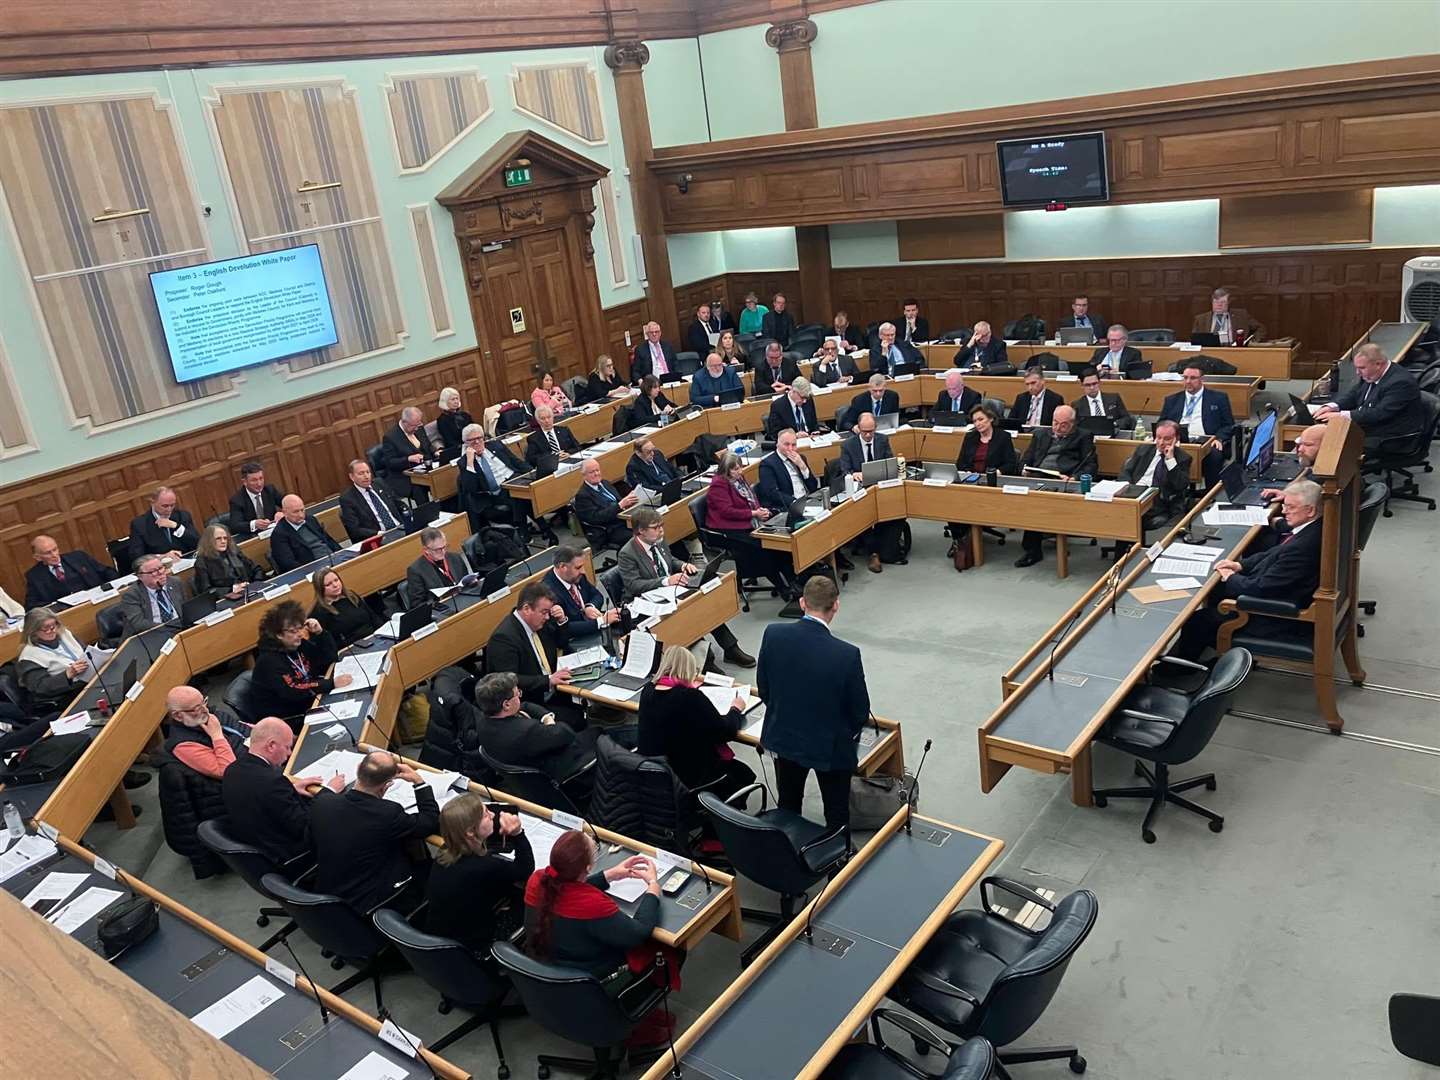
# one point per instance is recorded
(45, 760)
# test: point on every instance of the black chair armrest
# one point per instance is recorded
(827, 837)
(400, 887)
(741, 797)
(635, 1004)
(1137, 714)
(939, 986)
(1014, 888)
(1260, 605)
(908, 1024)
(581, 771)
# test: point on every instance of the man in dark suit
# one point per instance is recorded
(548, 440)
(954, 403)
(851, 336)
(649, 468)
(1094, 402)
(526, 645)
(891, 357)
(436, 568)
(654, 357)
(784, 474)
(256, 506)
(364, 842)
(775, 371)
(875, 399)
(483, 468)
(405, 446)
(580, 609)
(1201, 412)
(1164, 466)
(55, 575)
(598, 506)
(796, 409)
(155, 599)
(864, 446)
(778, 323)
(1035, 405)
(1117, 356)
(366, 508)
(1289, 570)
(697, 335)
(520, 732)
(912, 327)
(164, 529)
(833, 367)
(816, 702)
(982, 350)
(1064, 449)
(1224, 321)
(265, 808)
(299, 538)
(1081, 315)
(1385, 401)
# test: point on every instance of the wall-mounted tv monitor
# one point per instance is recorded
(1054, 169)
(222, 316)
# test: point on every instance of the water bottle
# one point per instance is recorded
(992, 477)
(1141, 430)
(13, 824)
(1085, 483)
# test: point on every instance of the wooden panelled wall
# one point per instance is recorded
(1326, 299)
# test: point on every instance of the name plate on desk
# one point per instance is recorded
(48, 831)
(731, 406)
(399, 1038)
(280, 971)
(498, 594)
(104, 868)
(1155, 550)
(710, 586)
(168, 647)
(135, 691)
(857, 495)
(892, 483)
(903, 378)
(567, 821)
(938, 430)
(1015, 489)
(1099, 496)
(218, 617)
(424, 631)
(822, 515)
(275, 592)
(930, 481)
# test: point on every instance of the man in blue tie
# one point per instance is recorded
(598, 506)
(366, 508)
(954, 403)
(483, 468)
(154, 599)
(892, 358)
(649, 468)
(795, 409)
(1200, 413)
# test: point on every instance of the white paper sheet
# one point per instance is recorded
(373, 1066)
(722, 697)
(363, 669)
(595, 654)
(1193, 551)
(28, 850)
(1108, 487)
(639, 655)
(611, 692)
(754, 729)
(392, 628)
(1177, 584)
(335, 763)
(54, 887)
(627, 889)
(69, 725)
(245, 1001)
(83, 908)
(1245, 515)
(644, 609)
(1182, 567)
(662, 594)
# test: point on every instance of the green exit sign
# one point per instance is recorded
(518, 176)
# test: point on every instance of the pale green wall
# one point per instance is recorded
(760, 249)
(262, 387)
(674, 97)
(903, 58)
(695, 256)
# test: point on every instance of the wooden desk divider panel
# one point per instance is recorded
(341, 1008)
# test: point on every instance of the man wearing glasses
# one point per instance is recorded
(436, 568)
(155, 599)
(833, 367)
(485, 466)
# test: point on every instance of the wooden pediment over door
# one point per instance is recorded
(523, 215)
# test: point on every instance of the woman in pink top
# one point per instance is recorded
(547, 393)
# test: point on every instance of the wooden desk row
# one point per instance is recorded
(1268, 361)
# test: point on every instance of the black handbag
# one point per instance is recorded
(126, 922)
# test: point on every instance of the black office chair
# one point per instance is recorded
(642, 798)
(1169, 727)
(120, 554)
(613, 582)
(687, 363)
(715, 544)
(376, 462)
(1403, 454)
(756, 351)
(337, 928)
(778, 850)
(237, 696)
(960, 334)
(973, 1059)
(457, 974)
(450, 694)
(1415, 1026)
(252, 866)
(604, 551)
(576, 1006)
(1372, 502)
(983, 974)
(1154, 336)
(110, 622)
(530, 784)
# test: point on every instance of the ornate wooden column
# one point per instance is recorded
(627, 60)
(791, 41)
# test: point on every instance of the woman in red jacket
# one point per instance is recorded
(733, 509)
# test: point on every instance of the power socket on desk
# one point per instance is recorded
(825, 941)
(929, 834)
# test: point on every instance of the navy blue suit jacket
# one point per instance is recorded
(654, 475)
(816, 701)
(1287, 571)
(852, 456)
(1215, 406)
(576, 625)
(774, 488)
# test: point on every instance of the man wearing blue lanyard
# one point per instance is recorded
(599, 505)
(154, 599)
(1200, 413)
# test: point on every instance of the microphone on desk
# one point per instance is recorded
(314, 987)
(384, 1015)
(914, 796)
(1050, 660)
(662, 968)
(1117, 572)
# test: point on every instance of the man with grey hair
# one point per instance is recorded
(155, 599)
(795, 409)
(891, 357)
(776, 371)
(484, 467)
(1224, 321)
(653, 357)
(875, 399)
(519, 732)
(982, 350)
(1385, 401)
(164, 529)
(406, 446)
(1288, 570)
(548, 441)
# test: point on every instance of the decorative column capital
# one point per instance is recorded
(790, 36)
(626, 56)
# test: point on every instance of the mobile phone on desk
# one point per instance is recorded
(675, 882)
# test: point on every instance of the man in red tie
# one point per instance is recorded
(583, 610)
(436, 568)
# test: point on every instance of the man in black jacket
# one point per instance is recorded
(1035, 405)
(982, 350)
(891, 357)
(263, 807)
(521, 733)
(953, 404)
(527, 646)
(1385, 401)
(875, 399)
(784, 475)
(366, 508)
(796, 409)
(1063, 449)
(1289, 571)
(577, 612)
(484, 467)
(548, 440)
(654, 357)
(698, 334)
(436, 568)
(1095, 402)
(912, 327)
(256, 506)
(598, 505)
(1165, 467)
(775, 371)
(405, 446)
(164, 529)
(299, 538)
(649, 468)
(1081, 315)
(55, 575)
(363, 841)
(833, 366)
(1117, 356)
(778, 323)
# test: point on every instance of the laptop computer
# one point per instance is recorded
(1096, 425)
(701, 577)
(733, 397)
(1080, 368)
(195, 609)
(1207, 341)
(421, 516)
(666, 495)
(1075, 335)
(1302, 416)
(414, 619)
(939, 470)
(874, 472)
(887, 422)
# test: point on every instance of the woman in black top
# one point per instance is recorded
(679, 722)
(451, 421)
(987, 446)
(468, 881)
(730, 351)
(651, 405)
(602, 382)
(344, 614)
(290, 664)
(221, 568)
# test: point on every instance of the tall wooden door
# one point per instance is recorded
(531, 312)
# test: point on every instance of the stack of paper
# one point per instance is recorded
(245, 1001)
(363, 669)
(1185, 567)
(595, 654)
(341, 763)
(69, 725)
(722, 697)
(29, 850)
(611, 692)
(1244, 515)
(1193, 551)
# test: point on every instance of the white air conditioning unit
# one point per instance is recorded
(1420, 290)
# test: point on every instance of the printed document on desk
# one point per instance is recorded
(363, 669)
(1244, 515)
(83, 908)
(30, 850)
(595, 654)
(639, 655)
(1182, 567)
(247, 1000)
(1192, 551)
(722, 697)
(336, 763)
